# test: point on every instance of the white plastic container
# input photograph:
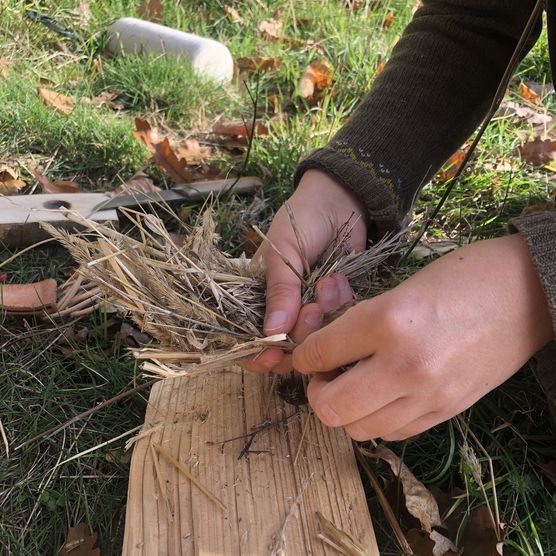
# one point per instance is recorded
(208, 57)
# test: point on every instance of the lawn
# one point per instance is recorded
(52, 371)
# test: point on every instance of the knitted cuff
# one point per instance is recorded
(539, 232)
(374, 191)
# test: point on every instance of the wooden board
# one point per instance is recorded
(21, 215)
(190, 418)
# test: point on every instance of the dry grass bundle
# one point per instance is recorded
(204, 309)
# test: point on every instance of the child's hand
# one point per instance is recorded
(432, 346)
(320, 207)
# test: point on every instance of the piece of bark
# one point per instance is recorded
(28, 298)
(190, 418)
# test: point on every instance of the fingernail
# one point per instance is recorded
(313, 319)
(329, 416)
(342, 282)
(275, 320)
(329, 291)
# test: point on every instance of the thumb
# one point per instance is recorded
(283, 289)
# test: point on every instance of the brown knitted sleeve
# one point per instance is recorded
(539, 232)
(433, 92)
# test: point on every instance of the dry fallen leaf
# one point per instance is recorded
(525, 113)
(9, 182)
(80, 542)
(528, 94)
(233, 13)
(479, 537)
(138, 183)
(58, 101)
(163, 155)
(151, 9)
(271, 28)
(4, 67)
(104, 99)
(538, 152)
(60, 186)
(419, 501)
(316, 77)
(388, 20)
(259, 63)
(239, 128)
(451, 166)
(434, 544)
(192, 152)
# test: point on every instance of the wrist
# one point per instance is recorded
(320, 185)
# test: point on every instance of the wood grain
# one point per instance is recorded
(191, 418)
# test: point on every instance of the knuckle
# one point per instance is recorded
(358, 433)
(314, 358)
(278, 290)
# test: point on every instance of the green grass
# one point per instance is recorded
(53, 373)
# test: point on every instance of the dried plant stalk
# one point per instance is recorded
(194, 300)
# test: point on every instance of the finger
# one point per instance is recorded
(310, 319)
(416, 427)
(327, 294)
(346, 294)
(283, 288)
(347, 339)
(394, 416)
(265, 362)
(353, 395)
(285, 366)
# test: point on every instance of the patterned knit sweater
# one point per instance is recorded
(434, 91)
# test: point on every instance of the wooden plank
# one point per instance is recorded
(191, 418)
(21, 215)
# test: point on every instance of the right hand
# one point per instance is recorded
(320, 206)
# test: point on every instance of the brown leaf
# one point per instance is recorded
(151, 9)
(271, 28)
(388, 20)
(452, 165)
(4, 67)
(138, 183)
(239, 128)
(434, 544)
(259, 63)
(104, 99)
(528, 94)
(60, 186)
(163, 155)
(479, 537)
(192, 152)
(58, 101)
(80, 542)
(316, 77)
(251, 241)
(9, 182)
(525, 113)
(538, 152)
(419, 501)
(233, 13)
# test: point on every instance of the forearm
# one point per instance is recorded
(432, 94)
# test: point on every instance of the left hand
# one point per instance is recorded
(431, 347)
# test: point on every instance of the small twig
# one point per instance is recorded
(280, 544)
(161, 485)
(285, 260)
(5, 439)
(386, 507)
(184, 471)
(57, 428)
(298, 238)
(303, 433)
